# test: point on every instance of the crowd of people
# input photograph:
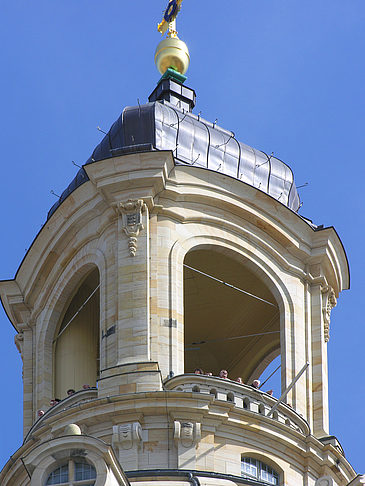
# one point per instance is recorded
(198, 371)
(224, 374)
(55, 401)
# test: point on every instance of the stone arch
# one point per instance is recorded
(46, 456)
(88, 259)
(266, 272)
(76, 344)
(254, 261)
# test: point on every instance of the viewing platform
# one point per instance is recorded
(254, 402)
(245, 397)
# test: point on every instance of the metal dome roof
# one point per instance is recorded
(161, 125)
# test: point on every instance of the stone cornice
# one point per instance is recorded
(152, 177)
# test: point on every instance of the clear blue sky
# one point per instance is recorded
(286, 76)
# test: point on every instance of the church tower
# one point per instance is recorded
(176, 249)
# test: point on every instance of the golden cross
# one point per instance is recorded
(169, 18)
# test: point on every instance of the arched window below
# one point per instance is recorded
(76, 472)
(253, 469)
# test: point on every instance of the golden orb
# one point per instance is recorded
(172, 53)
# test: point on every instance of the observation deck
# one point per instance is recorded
(243, 397)
(220, 392)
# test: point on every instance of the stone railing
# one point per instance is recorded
(68, 402)
(242, 396)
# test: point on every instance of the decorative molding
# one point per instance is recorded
(127, 436)
(131, 212)
(324, 481)
(187, 433)
(329, 301)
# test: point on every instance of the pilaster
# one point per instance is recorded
(319, 364)
(133, 282)
(24, 343)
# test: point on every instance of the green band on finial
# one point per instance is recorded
(171, 73)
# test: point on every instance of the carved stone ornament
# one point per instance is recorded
(127, 436)
(19, 342)
(324, 481)
(131, 211)
(188, 433)
(329, 301)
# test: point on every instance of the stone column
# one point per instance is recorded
(133, 370)
(167, 333)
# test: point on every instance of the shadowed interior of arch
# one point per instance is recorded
(76, 348)
(216, 316)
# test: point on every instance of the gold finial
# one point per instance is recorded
(171, 52)
(169, 18)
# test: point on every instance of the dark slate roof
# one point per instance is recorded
(193, 141)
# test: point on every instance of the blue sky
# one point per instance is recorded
(286, 76)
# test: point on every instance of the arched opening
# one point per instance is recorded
(76, 346)
(225, 328)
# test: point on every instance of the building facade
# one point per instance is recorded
(176, 247)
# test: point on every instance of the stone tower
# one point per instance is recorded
(176, 247)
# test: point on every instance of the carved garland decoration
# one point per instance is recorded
(328, 303)
(19, 342)
(132, 221)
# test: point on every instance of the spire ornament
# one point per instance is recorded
(171, 53)
(169, 18)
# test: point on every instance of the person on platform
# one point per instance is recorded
(256, 384)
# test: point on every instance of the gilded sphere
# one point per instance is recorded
(172, 53)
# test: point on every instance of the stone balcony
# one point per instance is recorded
(241, 397)
(69, 402)
(244, 397)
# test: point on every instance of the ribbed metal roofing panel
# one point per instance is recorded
(193, 141)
